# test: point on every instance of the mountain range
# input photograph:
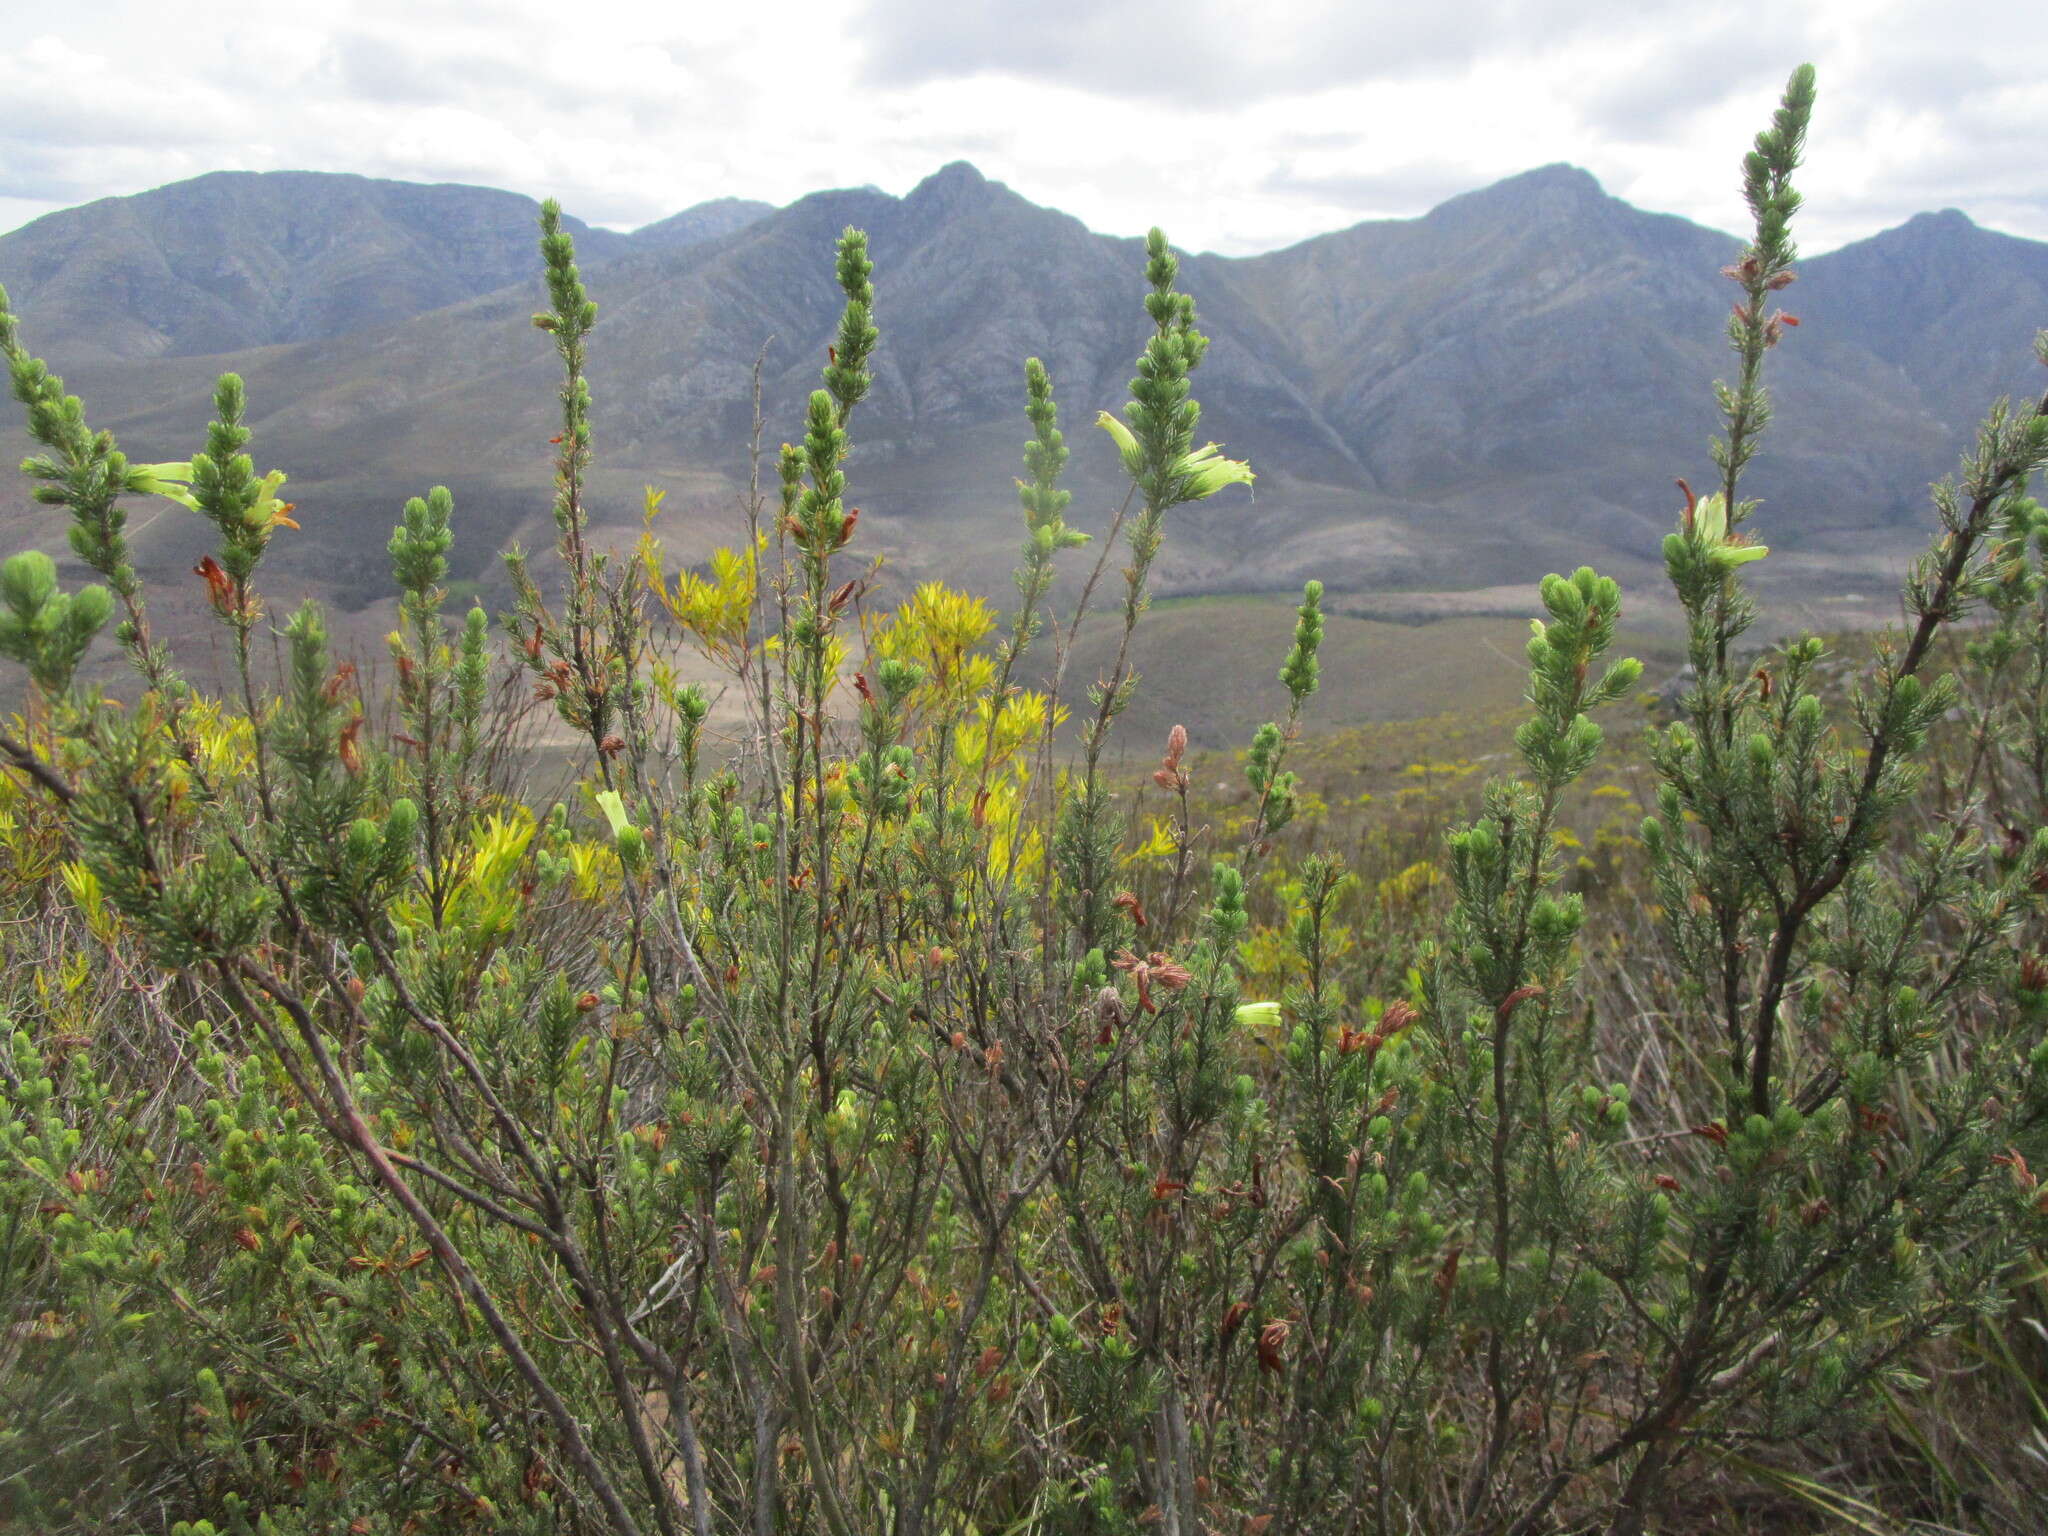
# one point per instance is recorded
(1505, 385)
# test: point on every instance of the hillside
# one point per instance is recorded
(1463, 400)
(706, 221)
(241, 259)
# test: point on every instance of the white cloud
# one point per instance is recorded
(1237, 126)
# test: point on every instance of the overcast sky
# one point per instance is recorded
(1239, 127)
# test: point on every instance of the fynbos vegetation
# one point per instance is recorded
(864, 1121)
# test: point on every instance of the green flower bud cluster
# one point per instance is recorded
(1558, 742)
(1275, 789)
(419, 546)
(1155, 437)
(43, 629)
(884, 781)
(381, 858)
(821, 512)
(628, 841)
(846, 376)
(1604, 1110)
(1045, 459)
(1298, 674)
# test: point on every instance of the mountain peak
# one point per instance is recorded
(955, 174)
(1558, 176)
(1556, 182)
(952, 189)
(1549, 190)
(1945, 235)
(1947, 221)
(703, 221)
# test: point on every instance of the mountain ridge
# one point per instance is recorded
(1495, 387)
(235, 259)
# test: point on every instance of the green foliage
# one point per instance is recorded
(836, 1113)
(43, 629)
(1298, 674)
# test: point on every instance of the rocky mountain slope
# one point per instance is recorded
(242, 259)
(1502, 386)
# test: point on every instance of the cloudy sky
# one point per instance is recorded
(1237, 126)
